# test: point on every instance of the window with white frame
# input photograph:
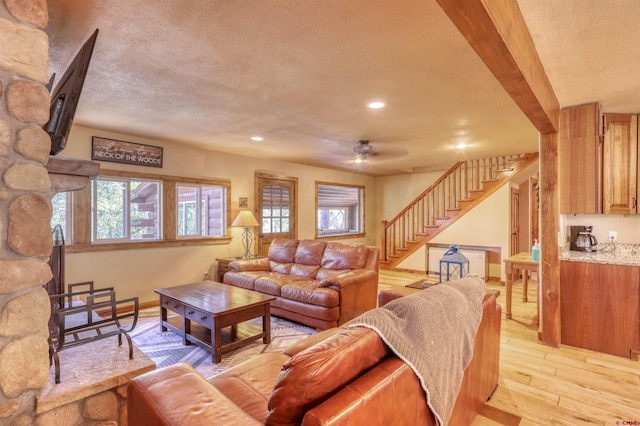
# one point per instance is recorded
(60, 212)
(125, 209)
(340, 209)
(201, 210)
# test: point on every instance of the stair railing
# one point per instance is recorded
(434, 205)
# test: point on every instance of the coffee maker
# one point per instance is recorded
(582, 239)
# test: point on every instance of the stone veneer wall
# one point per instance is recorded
(25, 233)
(25, 208)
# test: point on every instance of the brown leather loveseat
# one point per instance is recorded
(340, 376)
(317, 283)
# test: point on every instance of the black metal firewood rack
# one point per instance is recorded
(74, 323)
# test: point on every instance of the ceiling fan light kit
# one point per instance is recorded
(363, 150)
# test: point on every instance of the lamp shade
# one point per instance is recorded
(245, 219)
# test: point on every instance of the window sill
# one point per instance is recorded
(89, 248)
(340, 236)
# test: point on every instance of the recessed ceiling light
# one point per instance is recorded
(257, 138)
(461, 145)
(375, 105)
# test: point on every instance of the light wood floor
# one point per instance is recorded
(541, 385)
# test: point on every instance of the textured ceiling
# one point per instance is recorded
(300, 73)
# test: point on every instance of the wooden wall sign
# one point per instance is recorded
(125, 152)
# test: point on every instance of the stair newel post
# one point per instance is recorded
(458, 187)
(393, 243)
(441, 200)
(484, 170)
(474, 171)
(429, 213)
(383, 244)
(410, 224)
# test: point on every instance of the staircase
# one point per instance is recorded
(455, 193)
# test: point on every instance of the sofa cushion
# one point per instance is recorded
(283, 250)
(344, 256)
(307, 271)
(272, 283)
(249, 384)
(243, 279)
(324, 273)
(314, 374)
(178, 395)
(309, 292)
(280, 268)
(309, 252)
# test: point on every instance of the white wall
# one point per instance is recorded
(139, 272)
(627, 227)
(395, 192)
(487, 225)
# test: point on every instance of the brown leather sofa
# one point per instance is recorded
(335, 377)
(317, 283)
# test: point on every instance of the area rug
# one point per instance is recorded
(166, 347)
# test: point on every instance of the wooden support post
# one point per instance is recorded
(550, 281)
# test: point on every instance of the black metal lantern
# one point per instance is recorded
(453, 264)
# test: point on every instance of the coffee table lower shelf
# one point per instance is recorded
(232, 337)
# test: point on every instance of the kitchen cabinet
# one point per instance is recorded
(600, 307)
(620, 164)
(579, 160)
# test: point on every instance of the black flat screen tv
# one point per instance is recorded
(64, 98)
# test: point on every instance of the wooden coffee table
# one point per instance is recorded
(215, 306)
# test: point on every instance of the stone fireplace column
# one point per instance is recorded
(25, 208)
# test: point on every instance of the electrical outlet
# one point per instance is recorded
(205, 275)
(613, 236)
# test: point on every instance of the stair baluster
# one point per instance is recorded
(451, 196)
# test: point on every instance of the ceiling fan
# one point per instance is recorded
(363, 150)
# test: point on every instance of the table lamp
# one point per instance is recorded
(246, 220)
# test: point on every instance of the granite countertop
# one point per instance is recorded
(614, 254)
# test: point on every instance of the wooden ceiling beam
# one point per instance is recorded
(497, 32)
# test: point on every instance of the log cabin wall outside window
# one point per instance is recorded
(339, 210)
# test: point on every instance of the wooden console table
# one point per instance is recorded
(514, 265)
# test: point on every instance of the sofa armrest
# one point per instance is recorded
(358, 291)
(244, 265)
(307, 342)
(348, 278)
(177, 394)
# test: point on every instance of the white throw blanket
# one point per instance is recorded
(433, 331)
